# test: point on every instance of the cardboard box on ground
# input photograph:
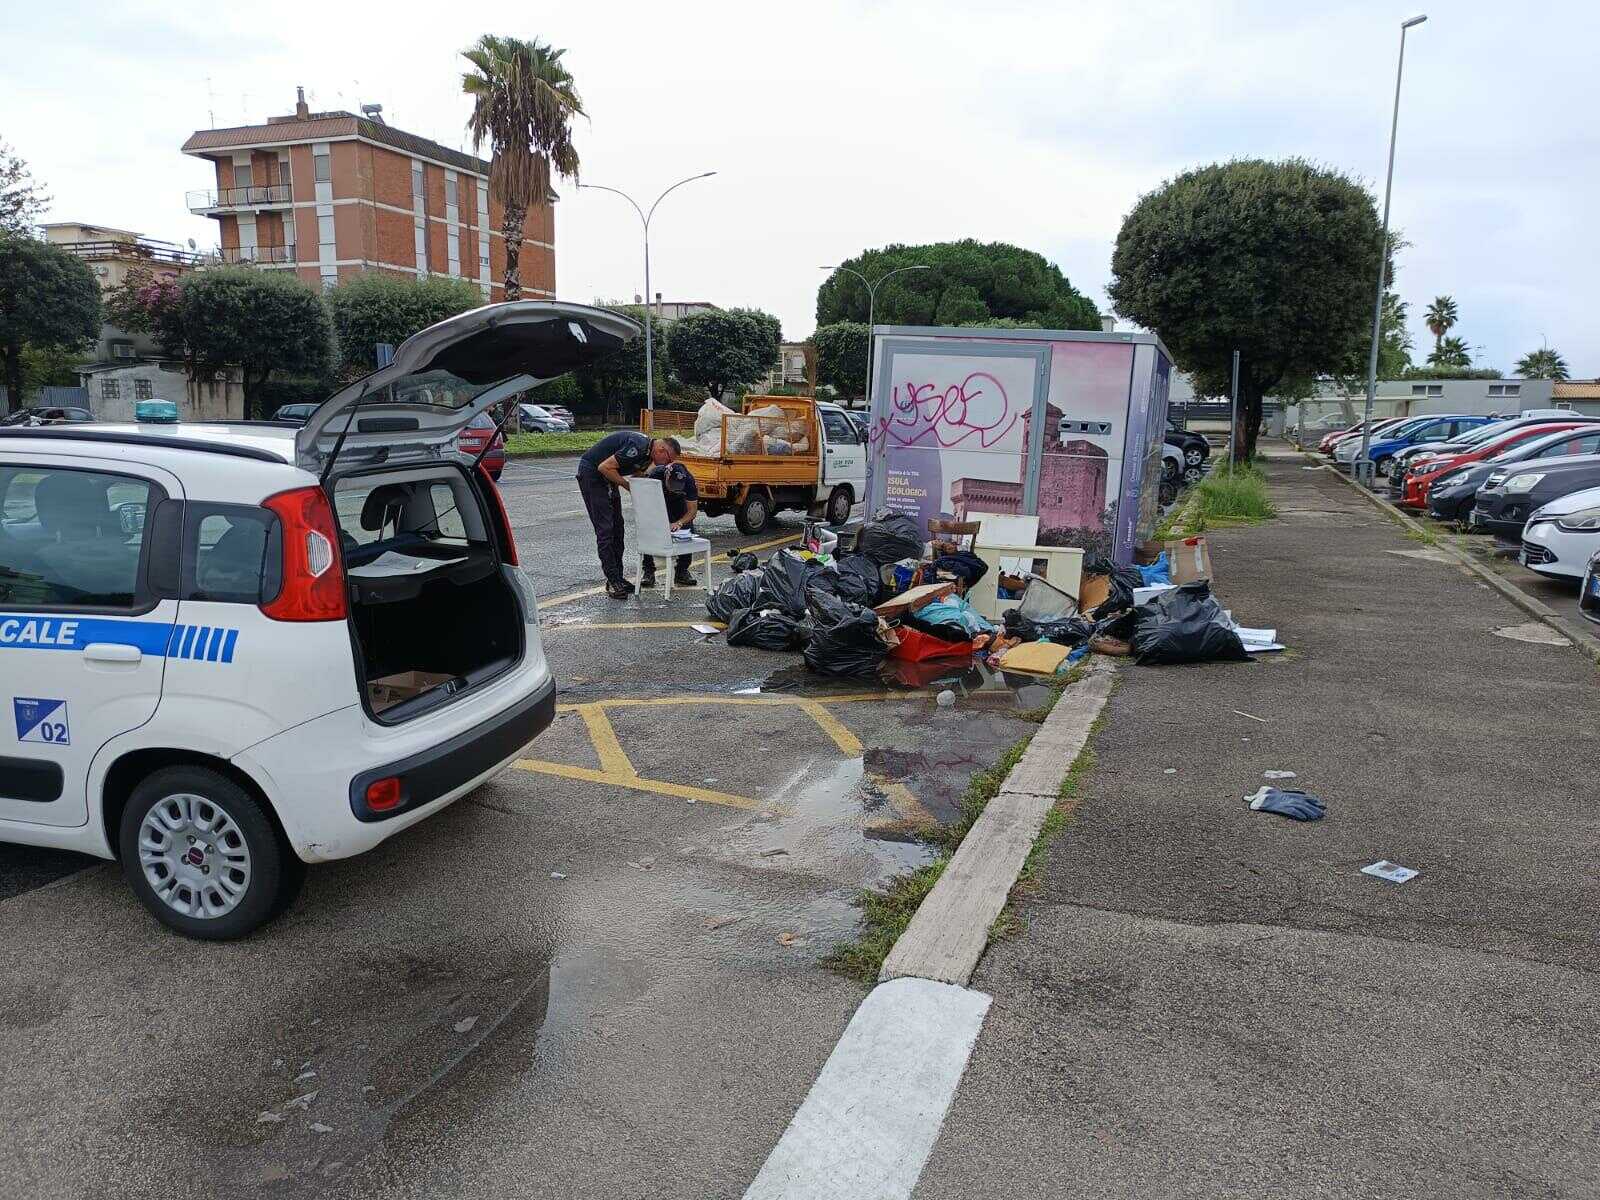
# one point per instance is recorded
(1188, 559)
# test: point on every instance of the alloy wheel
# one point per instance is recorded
(194, 856)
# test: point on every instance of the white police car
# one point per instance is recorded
(230, 650)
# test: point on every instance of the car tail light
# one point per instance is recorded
(502, 518)
(313, 580)
(384, 794)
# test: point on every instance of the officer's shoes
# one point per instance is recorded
(619, 591)
(647, 580)
(683, 579)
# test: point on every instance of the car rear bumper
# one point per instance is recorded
(316, 775)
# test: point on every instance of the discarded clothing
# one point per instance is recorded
(1299, 805)
(954, 610)
(963, 564)
(1185, 625)
(735, 593)
(890, 537)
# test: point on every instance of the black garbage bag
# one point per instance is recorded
(765, 629)
(1184, 625)
(733, 594)
(1065, 631)
(889, 537)
(963, 564)
(844, 636)
(784, 581)
(858, 580)
(946, 631)
(744, 561)
(1123, 581)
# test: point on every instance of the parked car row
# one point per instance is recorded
(1532, 480)
(46, 415)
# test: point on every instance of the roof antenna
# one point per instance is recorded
(211, 103)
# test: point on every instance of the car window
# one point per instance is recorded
(1589, 443)
(839, 428)
(378, 514)
(482, 421)
(70, 538)
(231, 553)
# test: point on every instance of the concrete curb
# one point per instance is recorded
(950, 930)
(1583, 641)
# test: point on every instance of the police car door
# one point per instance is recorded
(83, 632)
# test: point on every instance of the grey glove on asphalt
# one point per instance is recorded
(1299, 805)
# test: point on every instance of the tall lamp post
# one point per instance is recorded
(872, 300)
(1362, 466)
(644, 219)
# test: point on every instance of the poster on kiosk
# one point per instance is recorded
(1063, 425)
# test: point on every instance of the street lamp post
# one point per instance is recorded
(1362, 466)
(644, 219)
(872, 300)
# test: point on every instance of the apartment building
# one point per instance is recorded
(328, 195)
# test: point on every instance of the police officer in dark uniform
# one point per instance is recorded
(602, 474)
(683, 503)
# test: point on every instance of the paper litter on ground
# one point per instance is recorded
(1393, 872)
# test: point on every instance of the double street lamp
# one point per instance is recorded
(644, 219)
(872, 300)
(1361, 466)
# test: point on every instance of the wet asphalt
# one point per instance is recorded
(558, 987)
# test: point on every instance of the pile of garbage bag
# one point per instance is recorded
(890, 537)
(1185, 625)
(766, 629)
(846, 639)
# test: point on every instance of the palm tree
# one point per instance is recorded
(523, 102)
(1441, 319)
(1451, 352)
(1542, 364)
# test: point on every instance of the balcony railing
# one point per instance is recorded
(273, 195)
(257, 254)
(142, 249)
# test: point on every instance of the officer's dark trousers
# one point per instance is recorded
(604, 504)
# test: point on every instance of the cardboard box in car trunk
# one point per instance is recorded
(1188, 559)
(392, 689)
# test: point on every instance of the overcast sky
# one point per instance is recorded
(835, 127)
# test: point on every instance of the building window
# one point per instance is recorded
(1436, 389)
(449, 190)
(283, 170)
(322, 162)
(330, 280)
(1513, 389)
(143, 390)
(109, 390)
(416, 181)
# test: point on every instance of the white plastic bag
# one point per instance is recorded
(709, 418)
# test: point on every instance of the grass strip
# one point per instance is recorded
(1232, 494)
(548, 445)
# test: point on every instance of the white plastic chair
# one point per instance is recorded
(653, 531)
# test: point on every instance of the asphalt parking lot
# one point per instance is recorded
(596, 976)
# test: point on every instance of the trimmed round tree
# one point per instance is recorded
(1272, 259)
(842, 357)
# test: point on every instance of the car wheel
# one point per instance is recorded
(202, 856)
(753, 512)
(1193, 457)
(1169, 471)
(839, 505)
(1384, 466)
(1192, 474)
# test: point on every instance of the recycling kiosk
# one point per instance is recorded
(1061, 424)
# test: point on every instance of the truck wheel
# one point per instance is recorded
(753, 513)
(839, 505)
(202, 856)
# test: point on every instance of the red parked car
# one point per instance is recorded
(1420, 475)
(471, 439)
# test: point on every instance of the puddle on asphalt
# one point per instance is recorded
(964, 677)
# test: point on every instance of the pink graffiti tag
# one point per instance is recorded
(920, 413)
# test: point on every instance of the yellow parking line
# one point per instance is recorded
(849, 745)
(612, 759)
(662, 701)
(725, 556)
(637, 783)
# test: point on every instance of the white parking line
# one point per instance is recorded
(870, 1121)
